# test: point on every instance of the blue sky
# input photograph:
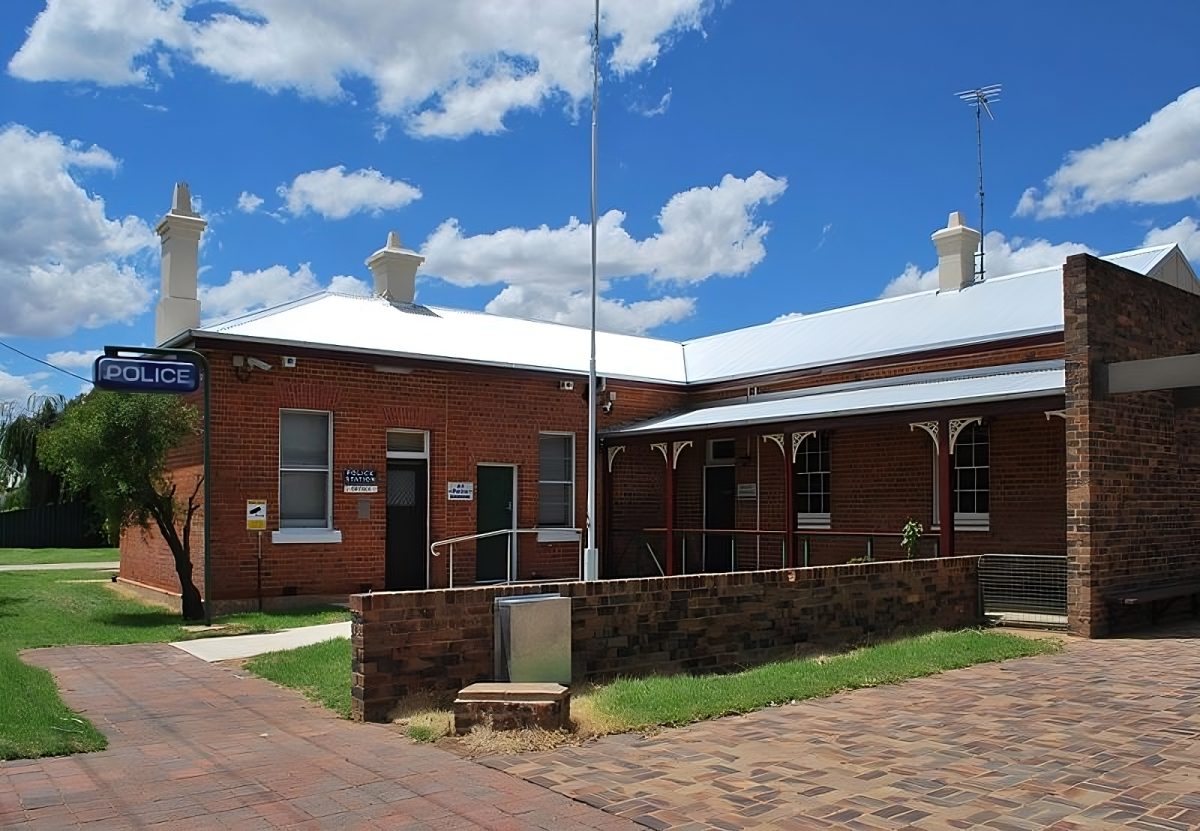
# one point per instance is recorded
(757, 157)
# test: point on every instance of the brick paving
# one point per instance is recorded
(1105, 735)
(196, 745)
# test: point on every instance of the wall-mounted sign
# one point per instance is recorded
(256, 515)
(747, 491)
(359, 480)
(145, 375)
(460, 491)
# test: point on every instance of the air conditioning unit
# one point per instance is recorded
(566, 386)
(288, 361)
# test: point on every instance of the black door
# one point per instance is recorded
(720, 499)
(407, 489)
(493, 512)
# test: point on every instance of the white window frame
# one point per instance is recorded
(962, 521)
(558, 533)
(328, 534)
(814, 520)
(970, 520)
(408, 454)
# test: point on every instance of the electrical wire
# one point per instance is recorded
(45, 363)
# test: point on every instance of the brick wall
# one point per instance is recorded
(1133, 460)
(472, 416)
(443, 640)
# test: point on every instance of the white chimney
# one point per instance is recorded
(180, 230)
(956, 246)
(395, 270)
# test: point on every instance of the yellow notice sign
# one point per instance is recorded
(256, 515)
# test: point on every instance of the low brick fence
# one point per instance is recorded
(442, 640)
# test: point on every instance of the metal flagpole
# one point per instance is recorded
(591, 557)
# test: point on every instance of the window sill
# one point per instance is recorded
(967, 525)
(310, 535)
(557, 535)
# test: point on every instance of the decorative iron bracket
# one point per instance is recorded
(798, 439)
(778, 439)
(1060, 413)
(677, 448)
(930, 427)
(613, 450)
(957, 425)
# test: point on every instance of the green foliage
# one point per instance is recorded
(680, 699)
(58, 608)
(910, 537)
(320, 671)
(114, 446)
(20, 439)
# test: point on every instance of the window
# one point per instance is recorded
(971, 477)
(721, 451)
(812, 482)
(305, 468)
(556, 480)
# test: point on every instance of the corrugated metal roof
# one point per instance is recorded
(1029, 303)
(376, 326)
(915, 392)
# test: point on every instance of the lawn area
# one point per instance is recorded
(322, 672)
(57, 608)
(31, 556)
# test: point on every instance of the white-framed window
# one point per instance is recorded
(972, 478)
(407, 444)
(721, 451)
(556, 480)
(812, 486)
(306, 477)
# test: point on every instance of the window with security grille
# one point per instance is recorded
(812, 482)
(305, 468)
(972, 479)
(556, 480)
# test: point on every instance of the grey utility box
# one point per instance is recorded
(533, 639)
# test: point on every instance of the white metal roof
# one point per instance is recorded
(913, 392)
(376, 326)
(1029, 303)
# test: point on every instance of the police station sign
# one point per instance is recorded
(145, 375)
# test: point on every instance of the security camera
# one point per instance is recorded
(255, 363)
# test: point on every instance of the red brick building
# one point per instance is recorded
(374, 426)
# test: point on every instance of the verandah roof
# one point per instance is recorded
(914, 392)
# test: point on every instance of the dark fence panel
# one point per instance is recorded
(51, 526)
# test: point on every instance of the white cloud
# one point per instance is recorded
(336, 194)
(1004, 256)
(17, 388)
(345, 284)
(248, 291)
(103, 41)
(658, 109)
(448, 68)
(248, 202)
(64, 264)
(1158, 163)
(703, 232)
(1185, 233)
(74, 359)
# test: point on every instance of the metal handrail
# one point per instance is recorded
(433, 548)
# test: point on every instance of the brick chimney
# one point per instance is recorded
(956, 246)
(178, 307)
(395, 270)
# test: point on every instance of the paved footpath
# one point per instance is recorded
(62, 566)
(200, 746)
(245, 646)
(1105, 735)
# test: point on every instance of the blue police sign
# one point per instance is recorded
(144, 375)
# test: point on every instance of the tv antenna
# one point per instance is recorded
(981, 98)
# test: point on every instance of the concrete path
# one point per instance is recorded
(62, 566)
(245, 646)
(201, 746)
(1105, 735)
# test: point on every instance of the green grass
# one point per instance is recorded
(680, 699)
(321, 671)
(54, 608)
(34, 556)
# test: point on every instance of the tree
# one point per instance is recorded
(19, 438)
(115, 445)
